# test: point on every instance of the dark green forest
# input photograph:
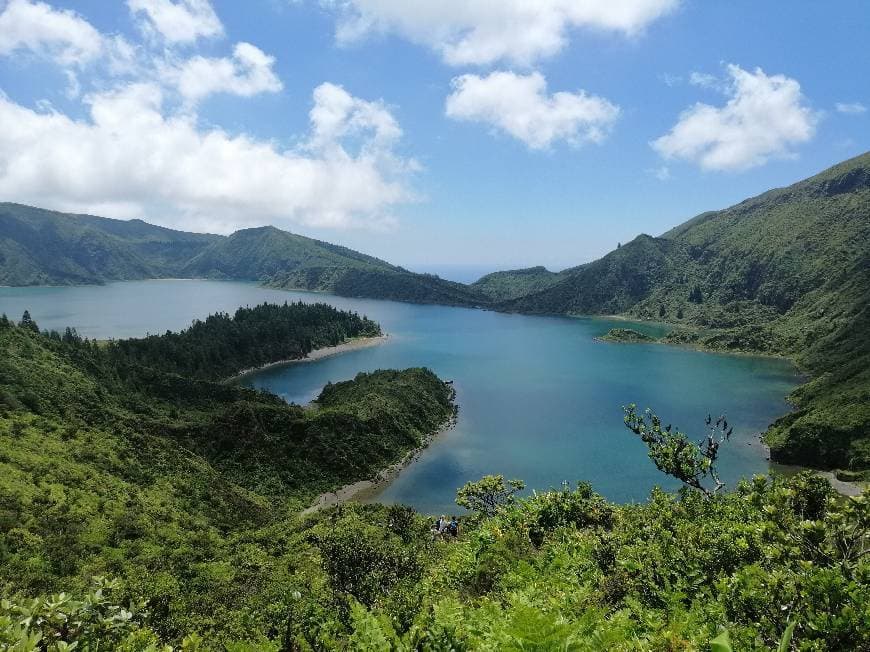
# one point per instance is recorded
(222, 345)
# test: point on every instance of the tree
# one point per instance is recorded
(489, 494)
(27, 322)
(695, 296)
(662, 310)
(680, 312)
(675, 454)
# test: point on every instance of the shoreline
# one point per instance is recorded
(352, 344)
(842, 487)
(362, 489)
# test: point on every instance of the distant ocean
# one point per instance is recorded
(459, 273)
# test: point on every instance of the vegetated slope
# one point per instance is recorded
(786, 272)
(286, 260)
(515, 283)
(262, 253)
(776, 564)
(39, 247)
(179, 488)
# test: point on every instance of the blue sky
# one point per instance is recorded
(450, 133)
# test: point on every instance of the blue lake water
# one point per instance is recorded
(540, 399)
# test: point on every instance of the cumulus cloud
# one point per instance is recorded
(481, 32)
(58, 34)
(764, 117)
(179, 21)
(851, 108)
(520, 106)
(130, 158)
(247, 73)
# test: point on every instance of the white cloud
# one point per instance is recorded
(58, 34)
(178, 21)
(520, 106)
(486, 31)
(764, 117)
(852, 108)
(706, 80)
(247, 73)
(337, 115)
(131, 159)
(662, 173)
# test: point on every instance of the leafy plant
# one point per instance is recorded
(489, 494)
(675, 454)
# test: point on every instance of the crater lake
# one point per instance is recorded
(540, 398)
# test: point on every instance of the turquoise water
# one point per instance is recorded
(540, 399)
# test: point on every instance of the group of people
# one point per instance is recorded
(443, 527)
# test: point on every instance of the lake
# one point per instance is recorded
(540, 399)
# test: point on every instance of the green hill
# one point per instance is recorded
(266, 252)
(512, 284)
(41, 247)
(787, 272)
(286, 260)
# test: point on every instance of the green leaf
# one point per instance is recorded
(721, 643)
(785, 643)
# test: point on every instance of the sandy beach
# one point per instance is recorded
(365, 488)
(316, 354)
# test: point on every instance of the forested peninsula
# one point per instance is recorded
(127, 459)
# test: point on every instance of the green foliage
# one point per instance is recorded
(674, 453)
(748, 570)
(488, 495)
(186, 491)
(626, 335)
(222, 344)
(28, 323)
(59, 623)
(504, 286)
(287, 260)
(364, 560)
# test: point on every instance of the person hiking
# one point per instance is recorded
(453, 527)
(440, 526)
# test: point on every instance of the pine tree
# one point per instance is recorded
(27, 322)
